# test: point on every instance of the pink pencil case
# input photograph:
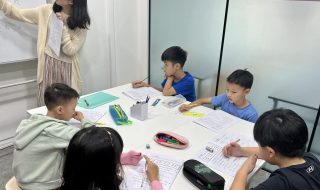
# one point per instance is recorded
(170, 139)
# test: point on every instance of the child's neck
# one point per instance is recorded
(179, 75)
(242, 103)
(54, 115)
(286, 162)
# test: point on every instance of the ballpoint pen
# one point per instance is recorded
(87, 103)
(145, 78)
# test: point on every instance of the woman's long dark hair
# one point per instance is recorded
(93, 160)
(79, 16)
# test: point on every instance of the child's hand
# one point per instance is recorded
(232, 149)
(171, 78)
(249, 164)
(138, 84)
(184, 107)
(152, 169)
(130, 158)
(78, 116)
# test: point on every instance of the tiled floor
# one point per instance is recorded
(6, 171)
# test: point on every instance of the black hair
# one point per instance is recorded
(57, 94)
(175, 54)
(242, 78)
(93, 160)
(79, 16)
(283, 130)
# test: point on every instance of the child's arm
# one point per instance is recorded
(234, 149)
(153, 174)
(25, 15)
(240, 180)
(185, 107)
(139, 83)
(168, 90)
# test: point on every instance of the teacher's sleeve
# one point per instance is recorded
(25, 15)
(71, 44)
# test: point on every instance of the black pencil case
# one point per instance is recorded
(202, 176)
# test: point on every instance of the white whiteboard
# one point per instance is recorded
(18, 39)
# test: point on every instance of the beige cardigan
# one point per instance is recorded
(72, 40)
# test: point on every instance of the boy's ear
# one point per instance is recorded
(271, 152)
(247, 90)
(177, 66)
(59, 110)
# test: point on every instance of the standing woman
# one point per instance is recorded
(53, 68)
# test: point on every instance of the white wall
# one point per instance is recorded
(95, 55)
(15, 101)
(131, 40)
(118, 37)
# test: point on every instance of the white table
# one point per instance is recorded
(140, 133)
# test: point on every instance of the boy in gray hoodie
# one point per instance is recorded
(41, 141)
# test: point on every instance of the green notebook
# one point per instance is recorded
(95, 100)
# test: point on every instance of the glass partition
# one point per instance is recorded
(278, 41)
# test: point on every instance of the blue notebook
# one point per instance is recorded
(95, 100)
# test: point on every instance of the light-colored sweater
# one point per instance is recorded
(72, 40)
(40, 145)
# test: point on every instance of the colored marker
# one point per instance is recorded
(161, 140)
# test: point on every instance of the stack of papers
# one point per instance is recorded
(217, 120)
(140, 94)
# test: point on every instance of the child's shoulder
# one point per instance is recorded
(292, 175)
(188, 77)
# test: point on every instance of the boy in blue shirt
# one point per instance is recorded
(282, 136)
(234, 100)
(177, 81)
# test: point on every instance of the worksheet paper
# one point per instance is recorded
(135, 177)
(93, 115)
(140, 94)
(217, 120)
(216, 161)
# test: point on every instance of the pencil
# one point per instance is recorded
(144, 175)
(87, 103)
(145, 78)
(193, 105)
